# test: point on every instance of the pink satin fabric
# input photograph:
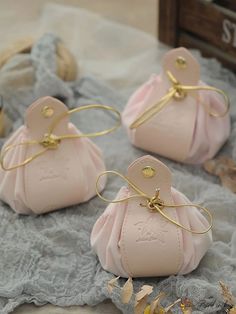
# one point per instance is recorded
(209, 133)
(107, 236)
(60, 177)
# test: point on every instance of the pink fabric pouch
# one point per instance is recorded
(133, 240)
(176, 115)
(42, 173)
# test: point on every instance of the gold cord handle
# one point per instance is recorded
(87, 107)
(153, 203)
(51, 141)
(179, 92)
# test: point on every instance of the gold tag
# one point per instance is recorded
(47, 111)
(181, 62)
(148, 172)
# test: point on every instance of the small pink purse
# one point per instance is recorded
(145, 232)
(176, 115)
(48, 163)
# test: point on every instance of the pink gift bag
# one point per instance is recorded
(48, 163)
(150, 229)
(176, 115)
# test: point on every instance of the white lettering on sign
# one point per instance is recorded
(229, 32)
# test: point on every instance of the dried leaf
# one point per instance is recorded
(227, 295)
(127, 291)
(141, 306)
(112, 284)
(144, 291)
(155, 306)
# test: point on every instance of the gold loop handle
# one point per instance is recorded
(153, 203)
(179, 92)
(51, 141)
(82, 108)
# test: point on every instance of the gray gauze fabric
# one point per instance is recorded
(28, 76)
(48, 258)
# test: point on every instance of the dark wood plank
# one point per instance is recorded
(229, 4)
(207, 50)
(209, 22)
(168, 21)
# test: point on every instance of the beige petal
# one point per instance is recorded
(155, 305)
(168, 308)
(144, 291)
(111, 284)
(127, 291)
(140, 305)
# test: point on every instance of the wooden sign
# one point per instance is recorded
(200, 24)
(229, 32)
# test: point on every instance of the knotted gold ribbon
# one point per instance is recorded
(51, 141)
(153, 203)
(179, 92)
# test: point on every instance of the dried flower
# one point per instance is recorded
(186, 306)
(141, 298)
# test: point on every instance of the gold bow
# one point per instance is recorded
(179, 92)
(51, 141)
(153, 203)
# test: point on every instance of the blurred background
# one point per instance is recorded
(174, 22)
(14, 15)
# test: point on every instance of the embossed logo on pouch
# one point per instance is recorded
(154, 228)
(48, 171)
(160, 121)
